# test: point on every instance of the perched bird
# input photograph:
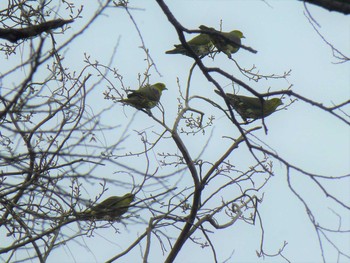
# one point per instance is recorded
(223, 44)
(111, 208)
(252, 108)
(145, 97)
(201, 45)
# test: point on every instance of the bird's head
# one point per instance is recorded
(130, 197)
(238, 33)
(275, 102)
(160, 86)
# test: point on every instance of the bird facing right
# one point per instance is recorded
(252, 107)
(145, 97)
(111, 208)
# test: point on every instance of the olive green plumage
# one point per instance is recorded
(223, 44)
(201, 45)
(145, 97)
(111, 208)
(252, 108)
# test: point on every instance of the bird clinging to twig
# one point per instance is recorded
(145, 97)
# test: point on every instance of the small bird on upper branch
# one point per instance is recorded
(230, 44)
(201, 46)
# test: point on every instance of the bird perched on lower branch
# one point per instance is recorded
(145, 97)
(251, 107)
(111, 208)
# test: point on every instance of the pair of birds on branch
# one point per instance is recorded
(203, 44)
(148, 96)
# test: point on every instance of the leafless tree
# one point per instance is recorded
(52, 142)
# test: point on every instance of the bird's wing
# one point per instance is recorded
(105, 204)
(150, 92)
(249, 102)
(202, 39)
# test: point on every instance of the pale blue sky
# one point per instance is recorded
(304, 135)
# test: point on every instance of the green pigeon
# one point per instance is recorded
(145, 97)
(252, 108)
(201, 45)
(111, 208)
(223, 44)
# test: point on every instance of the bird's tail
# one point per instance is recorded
(83, 215)
(218, 92)
(177, 50)
(174, 51)
(123, 100)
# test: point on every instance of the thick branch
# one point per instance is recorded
(341, 6)
(13, 34)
